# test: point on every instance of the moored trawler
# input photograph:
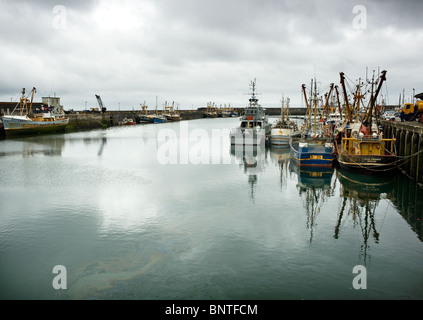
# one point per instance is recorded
(360, 145)
(312, 152)
(170, 113)
(144, 117)
(283, 129)
(313, 147)
(365, 152)
(254, 128)
(23, 121)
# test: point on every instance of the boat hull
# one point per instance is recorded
(367, 163)
(280, 137)
(159, 120)
(144, 119)
(312, 153)
(19, 126)
(281, 141)
(248, 137)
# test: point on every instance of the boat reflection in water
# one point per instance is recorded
(361, 194)
(281, 158)
(44, 145)
(314, 184)
(252, 159)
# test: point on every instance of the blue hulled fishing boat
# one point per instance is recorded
(314, 146)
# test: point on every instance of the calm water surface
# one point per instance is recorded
(171, 211)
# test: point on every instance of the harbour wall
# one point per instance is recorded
(409, 146)
(97, 120)
(81, 121)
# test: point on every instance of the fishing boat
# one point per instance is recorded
(283, 129)
(144, 117)
(313, 146)
(127, 122)
(211, 111)
(360, 144)
(255, 127)
(159, 119)
(226, 111)
(23, 121)
(333, 113)
(170, 113)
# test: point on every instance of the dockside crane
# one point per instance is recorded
(100, 103)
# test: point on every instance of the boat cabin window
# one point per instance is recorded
(251, 124)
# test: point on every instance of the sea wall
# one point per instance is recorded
(97, 120)
(409, 146)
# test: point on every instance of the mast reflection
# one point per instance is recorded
(252, 159)
(360, 195)
(281, 158)
(314, 185)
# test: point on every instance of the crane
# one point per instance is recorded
(100, 103)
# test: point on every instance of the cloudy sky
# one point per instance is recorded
(195, 51)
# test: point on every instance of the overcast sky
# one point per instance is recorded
(196, 51)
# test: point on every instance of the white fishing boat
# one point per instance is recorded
(255, 127)
(283, 129)
(23, 121)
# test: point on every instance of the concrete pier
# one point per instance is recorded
(409, 146)
(97, 120)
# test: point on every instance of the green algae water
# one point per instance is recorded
(172, 211)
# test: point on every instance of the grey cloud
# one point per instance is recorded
(194, 50)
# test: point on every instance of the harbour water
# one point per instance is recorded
(171, 211)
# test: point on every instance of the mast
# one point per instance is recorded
(327, 99)
(32, 99)
(22, 103)
(315, 106)
(374, 97)
(287, 107)
(339, 103)
(303, 87)
(253, 100)
(282, 116)
(347, 106)
(357, 98)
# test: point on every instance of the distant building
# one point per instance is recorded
(47, 104)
